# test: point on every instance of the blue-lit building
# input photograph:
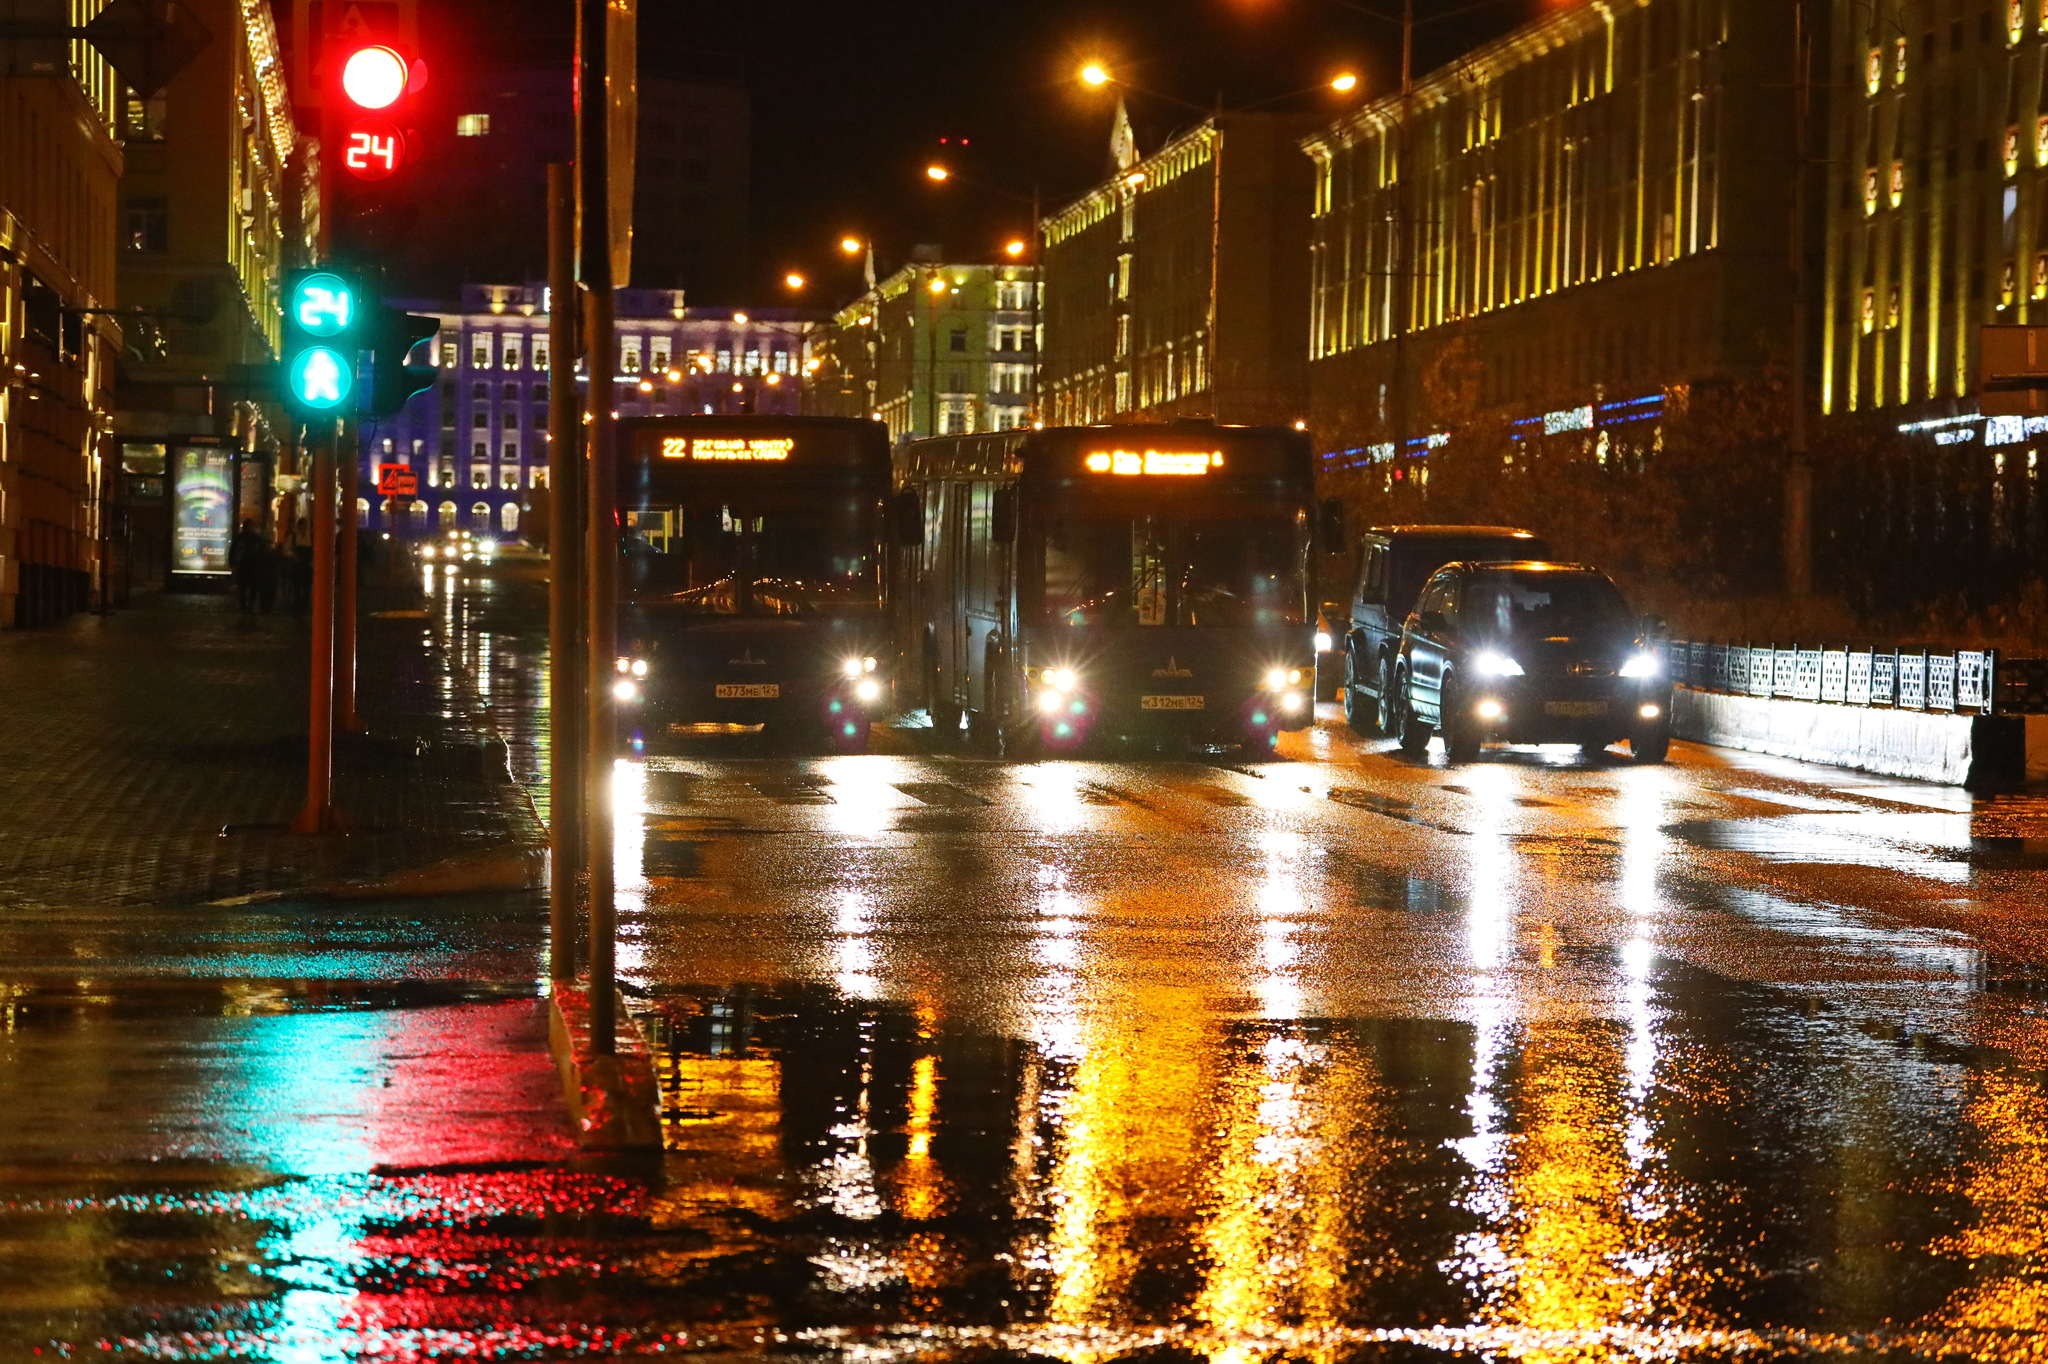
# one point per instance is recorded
(477, 441)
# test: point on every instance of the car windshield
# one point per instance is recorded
(734, 559)
(1175, 570)
(1541, 605)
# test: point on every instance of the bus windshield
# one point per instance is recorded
(726, 557)
(1155, 569)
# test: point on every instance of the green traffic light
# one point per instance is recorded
(321, 379)
(323, 305)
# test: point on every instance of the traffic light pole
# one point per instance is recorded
(349, 466)
(565, 586)
(593, 161)
(319, 815)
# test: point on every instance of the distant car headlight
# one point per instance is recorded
(426, 551)
(1496, 665)
(1642, 665)
(624, 665)
(1323, 642)
(639, 667)
(867, 665)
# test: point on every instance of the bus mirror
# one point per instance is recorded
(906, 512)
(1003, 515)
(1333, 525)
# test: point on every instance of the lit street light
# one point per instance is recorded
(1094, 74)
(850, 245)
(1015, 250)
(1344, 83)
(937, 172)
(793, 280)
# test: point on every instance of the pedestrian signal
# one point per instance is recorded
(321, 317)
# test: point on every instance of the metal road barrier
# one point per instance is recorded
(1967, 681)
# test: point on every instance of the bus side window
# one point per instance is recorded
(981, 547)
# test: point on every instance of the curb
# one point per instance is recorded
(510, 867)
(612, 1099)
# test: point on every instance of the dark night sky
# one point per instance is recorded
(851, 100)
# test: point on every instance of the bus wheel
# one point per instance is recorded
(1024, 743)
(945, 723)
(983, 734)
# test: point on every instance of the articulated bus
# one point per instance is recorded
(753, 576)
(1144, 581)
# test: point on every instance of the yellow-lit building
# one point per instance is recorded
(934, 349)
(1177, 287)
(1559, 231)
(212, 213)
(60, 168)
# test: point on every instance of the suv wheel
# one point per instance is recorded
(1359, 711)
(1389, 717)
(1650, 748)
(1414, 733)
(1461, 732)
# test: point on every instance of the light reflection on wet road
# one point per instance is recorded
(1330, 1057)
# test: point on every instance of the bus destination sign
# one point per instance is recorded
(754, 449)
(1180, 463)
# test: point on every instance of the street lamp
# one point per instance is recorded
(793, 280)
(850, 245)
(1015, 250)
(937, 172)
(1094, 74)
(1344, 83)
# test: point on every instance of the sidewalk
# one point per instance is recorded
(154, 756)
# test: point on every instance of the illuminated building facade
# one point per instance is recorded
(1561, 229)
(1178, 287)
(476, 442)
(212, 213)
(1938, 203)
(936, 349)
(60, 171)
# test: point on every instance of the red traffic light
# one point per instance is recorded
(373, 149)
(374, 77)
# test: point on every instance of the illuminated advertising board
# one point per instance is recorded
(204, 512)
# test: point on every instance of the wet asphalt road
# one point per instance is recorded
(1325, 1056)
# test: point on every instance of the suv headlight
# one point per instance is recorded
(1496, 665)
(1642, 665)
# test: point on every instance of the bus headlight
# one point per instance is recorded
(639, 667)
(854, 667)
(1277, 678)
(1061, 679)
(626, 689)
(1291, 702)
(868, 689)
(1050, 702)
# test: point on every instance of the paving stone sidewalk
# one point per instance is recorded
(155, 755)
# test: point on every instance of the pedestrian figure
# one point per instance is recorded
(245, 567)
(266, 578)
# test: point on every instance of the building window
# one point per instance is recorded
(659, 348)
(957, 340)
(480, 352)
(510, 452)
(540, 353)
(725, 362)
(508, 477)
(419, 516)
(447, 516)
(447, 473)
(479, 476)
(472, 125)
(149, 225)
(480, 516)
(142, 120)
(629, 355)
(537, 476)
(508, 518)
(447, 355)
(753, 362)
(480, 421)
(362, 511)
(509, 357)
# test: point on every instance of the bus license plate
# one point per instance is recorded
(747, 691)
(1173, 702)
(1575, 708)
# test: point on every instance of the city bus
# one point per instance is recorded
(1139, 581)
(753, 577)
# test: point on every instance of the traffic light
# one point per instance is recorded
(369, 109)
(322, 320)
(390, 335)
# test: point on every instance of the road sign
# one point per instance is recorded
(2012, 369)
(397, 480)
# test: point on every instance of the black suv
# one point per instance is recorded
(1393, 564)
(1527, 652)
